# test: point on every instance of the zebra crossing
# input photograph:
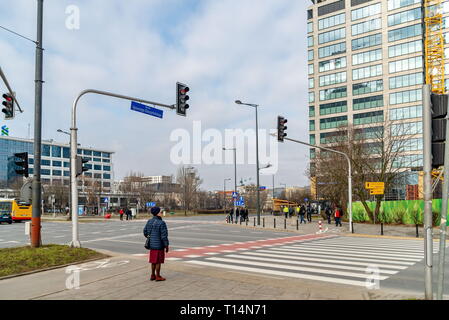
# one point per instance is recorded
(341, 260)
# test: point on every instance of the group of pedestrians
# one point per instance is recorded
(337, 212)
(240, 213)
(305, 211)
(127, 212)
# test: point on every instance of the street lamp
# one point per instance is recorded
(224, 193)
(185, 188)
(70, 180)
(257, 156)
(235, 172)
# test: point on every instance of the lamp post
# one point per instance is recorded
(185, 188)
(70, 178)
(235, 172)
(257, 156)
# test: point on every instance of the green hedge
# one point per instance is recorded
(402, 211)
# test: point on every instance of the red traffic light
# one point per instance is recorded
(7, 97)
(184, 90)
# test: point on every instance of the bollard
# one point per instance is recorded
(352, 225)
(263, 222)
(254, 221)
(246, 222)
(275, 223)
(285, 223)
(297, 224)
(321, 226)
(381, 229)
(417, 233)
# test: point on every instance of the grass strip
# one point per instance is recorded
(25, 259)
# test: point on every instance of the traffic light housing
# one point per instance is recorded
(80, 168)
(439, 112)
(182, 98)
(21, 162)
(281, 128)
(8, 106)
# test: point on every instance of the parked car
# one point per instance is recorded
(5, 217)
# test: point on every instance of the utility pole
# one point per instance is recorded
(427, 168)
(37, 195)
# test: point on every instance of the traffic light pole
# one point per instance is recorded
(73, 152)
(37, 186)
(427, 168)
(349, 175)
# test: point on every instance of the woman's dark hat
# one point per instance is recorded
(155, 210)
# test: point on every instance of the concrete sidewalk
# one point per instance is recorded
(127, 278)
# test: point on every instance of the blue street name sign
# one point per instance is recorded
(135, 106)
(262, 188)
(151, 204)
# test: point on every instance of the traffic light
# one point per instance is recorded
(181, 99)
(8, 106)
(439, 111)
(21, 163)
(80, 168)
(281, 128)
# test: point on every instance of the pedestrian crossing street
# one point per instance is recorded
(342, 260)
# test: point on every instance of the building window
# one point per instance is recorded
(331, 21)
(366, 42)
(66, 164)
(45, 172)
(366, 72)
(97, 167)
(407, 145)
(45, 162)
(404, 33)
(332, 64)
(87, 152)
(333, 93)
(106, 155)
(368, 56)
(404, 16)
(310, 41)
(309, 26)
(368, 102)
(407, 128)
(333, 78)
(311, 97)
(369, 133)
(332, 137)
(30, 160)
(45, 150)
(97, 154)
(367, 87)
(406, 80)
(106, 168)
(331, 35)
(56, 151)
(66, 153)
(311, 68)
(406, 96)
(106, 184)
(367, 26)
(57, 163)
(334, 107)
(369, 117)
(97, 175)
(79, 151)
(311, 83)
(395, 4)
(57, 173)
(406, 113)
(311, 138)
(106, 160)
(334, 122)
(312, 154)
(332, 50)
(106, 176)
(311, 111)
(310, 55)
(407, 161)
(66, 173)
(311, 125)
(364, 12)
(405, 48)
(405, 64)
(97, 159)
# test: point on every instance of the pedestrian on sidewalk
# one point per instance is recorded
(338, 215)
(237, 214)
(290, 212)
(128, 214)
(121, 214)
(302, 212)
(328, 214)
(156, 230)
(309, 213)
(285, 212)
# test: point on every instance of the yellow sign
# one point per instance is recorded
(374, 185)
(376, 191)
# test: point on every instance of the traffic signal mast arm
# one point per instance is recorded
(2, 75)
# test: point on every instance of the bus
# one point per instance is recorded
(19, 210)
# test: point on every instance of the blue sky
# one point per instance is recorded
(253, 50)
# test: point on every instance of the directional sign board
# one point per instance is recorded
(151, 204)
(374, 185)
(376, 191)
(135, 106)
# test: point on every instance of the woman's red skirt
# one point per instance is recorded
(157, 256)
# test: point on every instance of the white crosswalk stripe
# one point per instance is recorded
(343, 260)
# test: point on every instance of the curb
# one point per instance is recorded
(50, 268)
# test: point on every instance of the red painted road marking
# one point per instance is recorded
(203, 251)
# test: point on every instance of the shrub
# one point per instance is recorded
(435, 218)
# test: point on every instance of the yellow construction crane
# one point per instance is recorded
(434, 45)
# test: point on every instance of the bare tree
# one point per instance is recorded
(378, 153)
(189, 181)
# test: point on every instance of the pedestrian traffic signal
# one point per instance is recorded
(439, 112)
(181, 99)
(21, 161)
(80, 168)
(281, 128)
(8, 106)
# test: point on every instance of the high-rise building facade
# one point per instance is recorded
(55, 163)
(365, 67)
